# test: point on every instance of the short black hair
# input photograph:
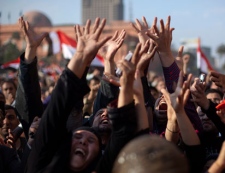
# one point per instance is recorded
(7, 107)
(9, 81)
(214, 91)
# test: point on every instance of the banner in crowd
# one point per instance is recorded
(11, 64)
(61, 42)
(203, 63)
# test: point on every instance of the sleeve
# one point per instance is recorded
(211, 114)
(28, 96)
(11, 160)
(123, 130)
(106, 94)
(171, 75)
(52, 131)
(148, 98)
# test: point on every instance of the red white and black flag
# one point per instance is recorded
(61, 42)
(203, 63)
(11, 64)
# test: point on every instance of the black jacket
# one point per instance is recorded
(9, 160)
(51, 148)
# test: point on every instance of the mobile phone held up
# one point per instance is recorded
(202, 77)
(127, 58)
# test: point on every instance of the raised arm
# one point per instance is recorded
(219, 165)
(218, 79)
(177, 100)
(163, 39)
(28, 96)
(108, 92)
(207, 106)
(193, 149)
(142, 28)
(70, 89)
(112, 46)
(124, 120)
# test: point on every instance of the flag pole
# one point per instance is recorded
(199, 56)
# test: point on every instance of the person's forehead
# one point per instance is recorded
(213, 95)
(86, 133)
(101, 111)
(10, 112)
(7, 84)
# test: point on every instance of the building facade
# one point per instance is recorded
(109, 9)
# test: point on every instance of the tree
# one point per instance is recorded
(221, 50)
(8, 52)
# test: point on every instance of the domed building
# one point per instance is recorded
(37, 19)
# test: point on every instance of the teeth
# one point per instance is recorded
(105, 122)
(78, 151)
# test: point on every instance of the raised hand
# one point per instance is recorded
(32, 39)
(179, 98)
(218, 79)
(114, 44)
(112, 47)
(198, 93)
(137, 85)
(163, 39)
(186, 58)
(219, 164)
(126, 80)
(146, 57)
(179, 59)
(175, 107)
(141, 29)
(88, 42)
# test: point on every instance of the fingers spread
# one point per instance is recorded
(100, 28)
(168, 23)
(134, 26)
(180, 51)
(144, 22)
(87, 27)
(97, 20)
(115, 36)
(136, 55)
(162, 28)
(103, 41)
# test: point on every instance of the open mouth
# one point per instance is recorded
(80, 152)
(105, 121)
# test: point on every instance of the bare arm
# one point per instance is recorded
(219, 165)
(177, 99)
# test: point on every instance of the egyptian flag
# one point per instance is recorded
(61, 42)
(203, 63)
(11, 64)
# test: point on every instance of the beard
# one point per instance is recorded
(104, 129)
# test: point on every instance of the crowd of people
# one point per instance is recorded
(123, 122)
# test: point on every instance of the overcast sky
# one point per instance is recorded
(190, 18)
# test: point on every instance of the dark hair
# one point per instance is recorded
(7, 107)
(92, 165)
(96, 78)
(151, 88)
(2, 107)
(208, 91)
(9, 81)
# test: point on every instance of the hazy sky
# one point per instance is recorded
(190, 18)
